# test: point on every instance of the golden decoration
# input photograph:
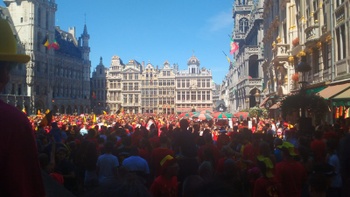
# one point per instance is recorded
(273, 44)
(316, 21)
(319, 45)
(312, 14)
(291, 59)
(301, 53)
(278, 39)
(328, 38)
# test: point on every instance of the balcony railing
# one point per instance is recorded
(280, 51)
(312, 34)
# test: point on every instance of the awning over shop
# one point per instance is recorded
(343, 95)
(315, 90)
(332, 91)
(342, 99)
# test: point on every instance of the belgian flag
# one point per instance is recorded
(46, 42)
(46, 121)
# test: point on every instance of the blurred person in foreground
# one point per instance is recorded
(19, 163)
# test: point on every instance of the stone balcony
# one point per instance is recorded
(280, 52)
(312, 34)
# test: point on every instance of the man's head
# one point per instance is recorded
(8, 52)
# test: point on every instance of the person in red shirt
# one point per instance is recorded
(166, 184)
(158, 154)
(19, 163)
(319, 147)
(289, 173)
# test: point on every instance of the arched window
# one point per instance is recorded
(243, 25)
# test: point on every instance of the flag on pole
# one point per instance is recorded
(233, 47)
(46, 121)
(228, 59)
(46, 42)
(94, 119)
(55, 45)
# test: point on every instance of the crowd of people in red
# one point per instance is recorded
(165, 155)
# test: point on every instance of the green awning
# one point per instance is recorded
(315, 90)
(338, 103)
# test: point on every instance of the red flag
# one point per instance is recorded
(55, 45)
(234, 47)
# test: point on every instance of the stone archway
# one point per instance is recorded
(55, 109)
(69, 110)
(62, 110)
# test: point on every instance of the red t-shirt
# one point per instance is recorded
(291, 175)
(163, 187)
(319, 148)
(19, 164)
(156, 156)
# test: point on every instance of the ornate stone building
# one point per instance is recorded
(245, 74)
(316, 30)
(114, 84)
(149, 89)
(166, 89)
(131, 87)
(54, 78)
(194, 88)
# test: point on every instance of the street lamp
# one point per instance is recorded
(303, 67)
(257, 98)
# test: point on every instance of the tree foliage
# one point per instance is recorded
(312, 104)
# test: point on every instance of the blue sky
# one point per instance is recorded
(153, 30)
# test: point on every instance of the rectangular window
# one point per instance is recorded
(193, 96)
(130, 98)
(315, 61)
(130, 86)
(178, 96)
(125, 98)
(136, 86)
(187, 95)
(19, 89)
(125, 86)
(208, 96)
(136, 98)
(136, 77)
(130, 76)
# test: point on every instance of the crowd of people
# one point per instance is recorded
(168, 155)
